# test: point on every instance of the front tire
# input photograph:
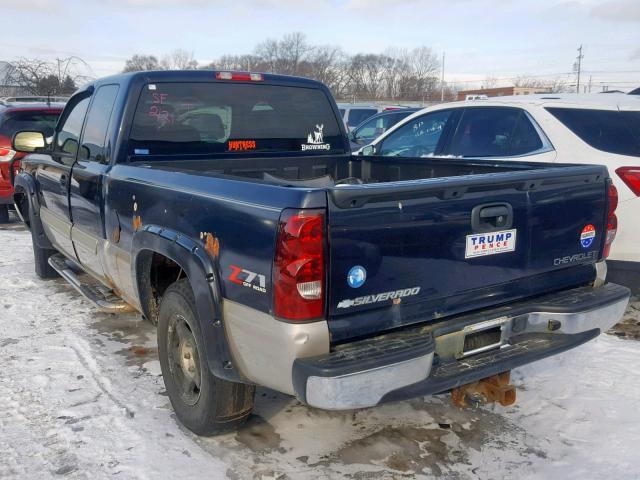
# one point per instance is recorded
(204, 403)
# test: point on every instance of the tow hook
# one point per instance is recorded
(488, 390)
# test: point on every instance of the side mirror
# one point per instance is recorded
(28, 142)
(368, 150)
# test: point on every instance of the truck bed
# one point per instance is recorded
(328, 171)
(408, 223)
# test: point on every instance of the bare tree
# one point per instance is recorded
(367, 73)
(179, 59)
(41, 77)
(528, 81)
(284, 56)
(396, 74)
(238, 62)
(325, 64)
(490, 82)
(139, 63)
(557, 85)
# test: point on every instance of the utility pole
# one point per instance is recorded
(577, 67)
(590, 77)
(442, 80)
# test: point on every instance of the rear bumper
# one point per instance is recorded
(428, 359)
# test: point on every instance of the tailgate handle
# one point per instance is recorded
(485, 218)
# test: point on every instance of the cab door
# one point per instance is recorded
(54, 172)
(85, 194)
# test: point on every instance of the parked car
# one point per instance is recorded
(373, 127)
(16, 116)
(268, 255)
(353, 114)
(590, 129)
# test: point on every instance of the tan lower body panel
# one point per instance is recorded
(58, 230)
(264, 348)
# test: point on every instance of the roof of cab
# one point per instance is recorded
(198, 76)
(612, 100)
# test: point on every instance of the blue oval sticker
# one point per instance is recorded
(357, 276)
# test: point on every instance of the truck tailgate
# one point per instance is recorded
(427, 248)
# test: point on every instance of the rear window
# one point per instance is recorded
(34, 121)
(359, 115)
(209, 118)
(607, 130)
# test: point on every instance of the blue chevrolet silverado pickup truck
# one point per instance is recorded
(226, 207)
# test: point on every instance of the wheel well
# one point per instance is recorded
(155, 273)
(22, 204)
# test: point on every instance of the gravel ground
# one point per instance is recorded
(81, 397)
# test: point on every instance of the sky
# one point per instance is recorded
(481, 38)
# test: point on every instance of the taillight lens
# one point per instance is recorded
(612, 220)
(299, 265)
(6, 154)
(612, 229)
(631, 177)
(612, 194)
(240, 76)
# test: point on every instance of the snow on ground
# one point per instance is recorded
(81, 397)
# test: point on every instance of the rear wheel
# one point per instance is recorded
(41, 259)
(204, 403)
(4, 214)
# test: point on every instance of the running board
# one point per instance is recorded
(101, 296)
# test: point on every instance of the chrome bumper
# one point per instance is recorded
(366, 388)
(532, 333)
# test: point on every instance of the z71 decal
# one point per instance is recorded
(248, 279)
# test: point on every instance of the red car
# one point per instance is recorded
(15, 117)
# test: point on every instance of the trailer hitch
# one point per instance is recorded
(488, 390)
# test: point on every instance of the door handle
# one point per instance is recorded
(492, 216)
(494, 212)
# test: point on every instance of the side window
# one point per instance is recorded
(494, 132)
(95, 130)
(607, 130)
(420, 137)
(525, 137)
(369, 129)
(66, 144)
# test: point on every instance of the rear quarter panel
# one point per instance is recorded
(241, 217)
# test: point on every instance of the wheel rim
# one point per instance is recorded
(184, 361)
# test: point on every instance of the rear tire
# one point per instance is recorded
(204, 403)
(41, 259)
(4, 214)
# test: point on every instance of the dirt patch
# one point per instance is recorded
(404, 449)
(629, 327)
(259, 435)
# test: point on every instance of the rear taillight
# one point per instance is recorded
(612, 220)
(631, 177)
(240, 76)
(299, 265)
(6, 154)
